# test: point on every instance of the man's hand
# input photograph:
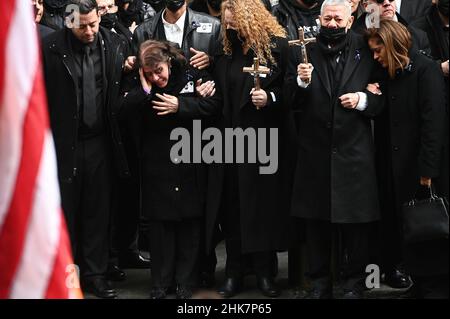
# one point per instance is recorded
(374, 88)
(349, 100)
(304, 71)
(425, 181)
(205, 89)
(146, 85)
(200, 60)
(130, 63)
(168, 104)
(259, 98)
(444, 66)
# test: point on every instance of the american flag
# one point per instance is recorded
(35, 256)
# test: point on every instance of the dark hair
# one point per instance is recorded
(85, 6)
(152, 52)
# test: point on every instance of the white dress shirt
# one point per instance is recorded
(174, 32)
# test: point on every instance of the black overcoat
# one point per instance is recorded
(264, 199)
(335, 178)
(172, 190)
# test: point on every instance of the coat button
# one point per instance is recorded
(335, 150)
(329, 125)
(177, 189)
(396, 148)
(393, 97)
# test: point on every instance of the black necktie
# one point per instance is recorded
(89, 101)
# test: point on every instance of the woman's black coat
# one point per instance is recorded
(264, 199)
(170, 191)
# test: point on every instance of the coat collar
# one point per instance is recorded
(355, 54)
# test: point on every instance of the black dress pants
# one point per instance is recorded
(319, 243)
(175, 250)
(86, 203)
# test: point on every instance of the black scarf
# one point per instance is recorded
(335, 70)
(336, 48)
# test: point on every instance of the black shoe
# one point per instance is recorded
(158, 293)
(114, 273)
(317, 294)
(207, 280)
(99, 287)
(299, 293)
(268, 287)
(134, 261)
(184, 292)
(397, 279)
(230, 288)
(352, 294)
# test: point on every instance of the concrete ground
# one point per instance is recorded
(137, 284)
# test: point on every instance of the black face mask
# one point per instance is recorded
(109, 20)
(332, 36)
(310, 3)
(233, 37)
(443, 7)
(215, 4)
(174, 5)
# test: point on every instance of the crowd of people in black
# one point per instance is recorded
(360, 108)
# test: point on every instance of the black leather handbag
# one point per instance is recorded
(425, 219)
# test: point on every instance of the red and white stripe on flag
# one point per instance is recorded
(34, 246)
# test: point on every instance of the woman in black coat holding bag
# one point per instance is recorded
(409, 137)
(172, 189)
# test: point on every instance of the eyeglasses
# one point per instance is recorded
(382, 1)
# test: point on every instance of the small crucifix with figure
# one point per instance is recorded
(302, 42)
(256, 70)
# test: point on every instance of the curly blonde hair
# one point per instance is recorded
(255, 25)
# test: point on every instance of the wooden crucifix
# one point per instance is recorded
(302, 42)
(256, 70)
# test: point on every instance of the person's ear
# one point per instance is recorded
(350, 22)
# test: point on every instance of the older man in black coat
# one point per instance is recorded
(335, 184)
(83, 68)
